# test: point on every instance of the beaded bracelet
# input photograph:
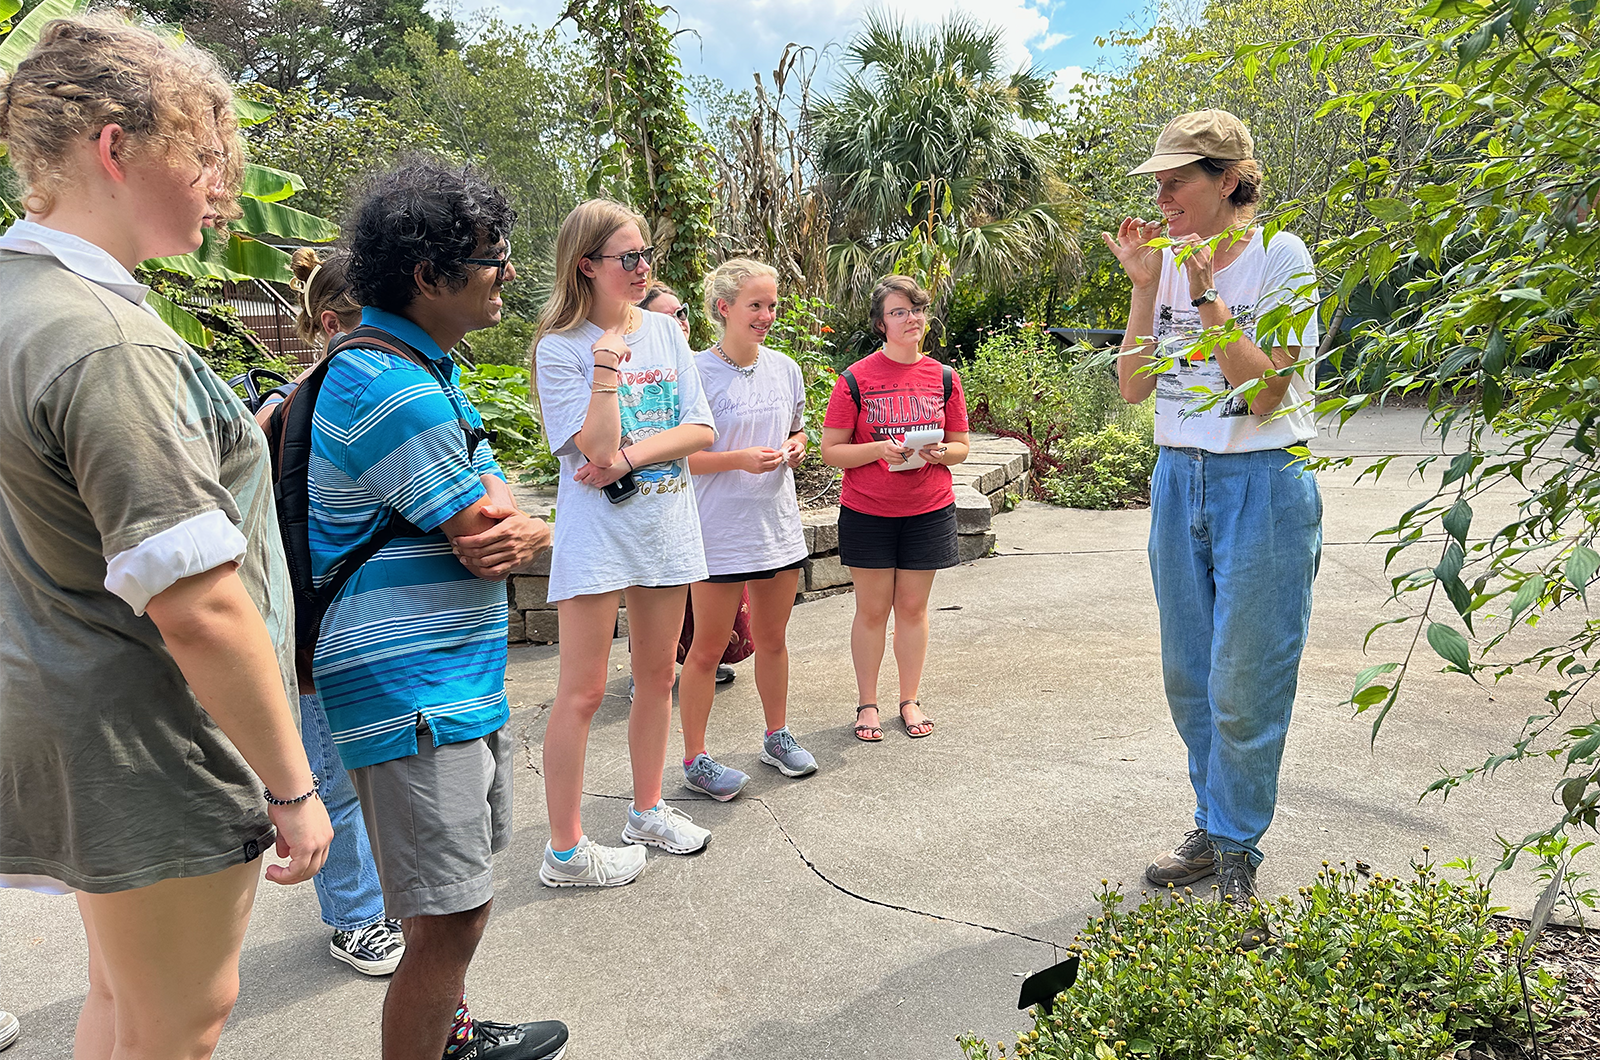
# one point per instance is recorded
(316, 782)
(602, 389)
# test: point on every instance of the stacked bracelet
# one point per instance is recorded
(316, 782)
(607, 367)
(602, 389)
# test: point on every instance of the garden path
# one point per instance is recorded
(884, 905)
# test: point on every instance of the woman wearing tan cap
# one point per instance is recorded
(1236, 525)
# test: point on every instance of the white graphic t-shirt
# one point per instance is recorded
(1262, 278)
(751, 522)
(652, 538)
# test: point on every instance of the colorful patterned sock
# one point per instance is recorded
(460, 1030)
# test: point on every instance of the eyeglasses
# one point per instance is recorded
(682, 312)
(630, 260)
(898, 315)
(500, 265)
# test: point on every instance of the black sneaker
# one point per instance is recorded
(544, 1040)
(725, 675)
(372, 950)
(1236, 885)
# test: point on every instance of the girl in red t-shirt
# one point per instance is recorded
(896, 527)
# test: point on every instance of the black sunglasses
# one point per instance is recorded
(682, 312)
(630, 260)
(500, 265)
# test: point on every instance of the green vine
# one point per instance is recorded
(649, 138)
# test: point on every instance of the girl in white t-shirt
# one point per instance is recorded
(622, 408)
(749, 520)
(1236, 522)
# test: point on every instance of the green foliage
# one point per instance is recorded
(512, 101)
(508, 342)
(331, 141)
(927, 168)
(1090, 448)
(652, 140)
(334, 46)
(500, 394)
(1358, 969)
(1107, 469)
(230, 347)
(801, 332)
(1491, 240)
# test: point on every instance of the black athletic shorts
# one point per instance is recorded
(756, 576)
(908, 542)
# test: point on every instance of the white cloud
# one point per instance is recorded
(739, 37)
(1066, 79)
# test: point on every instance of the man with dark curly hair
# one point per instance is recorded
(411, 657)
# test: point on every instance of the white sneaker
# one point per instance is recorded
(592, 865)
(10, 1030)
(666, 827)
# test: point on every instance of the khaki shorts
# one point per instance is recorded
(435, 819)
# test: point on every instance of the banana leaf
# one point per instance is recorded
(7, 9)
(248, 111)
(237, 258)
(25, 34)
(270, 185)
(274, 218)
(182, 321)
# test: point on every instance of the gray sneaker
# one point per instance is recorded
(710, 777)
(666, 827)
(1191, 860)
(781, 750)
(592, 865)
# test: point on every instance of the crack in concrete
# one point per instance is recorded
(1055, 947)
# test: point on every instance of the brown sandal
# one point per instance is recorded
(911, 729)
(867, 733)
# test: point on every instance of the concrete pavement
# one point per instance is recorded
(874, 909)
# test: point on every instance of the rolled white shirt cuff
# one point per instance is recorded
(192, 547)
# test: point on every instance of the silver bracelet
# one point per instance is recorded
(316, 782)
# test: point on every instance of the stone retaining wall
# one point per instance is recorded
(996, 468)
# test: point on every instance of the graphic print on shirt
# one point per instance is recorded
(648, 401)
(1176, 328)
(890, 413)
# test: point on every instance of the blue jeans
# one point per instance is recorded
(347, 886)
(1235, 541)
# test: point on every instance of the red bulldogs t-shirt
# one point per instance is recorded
(896, 398)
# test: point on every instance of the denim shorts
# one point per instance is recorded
(906, 542)
(435, 819)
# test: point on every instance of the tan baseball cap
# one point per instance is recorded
(1196, 135)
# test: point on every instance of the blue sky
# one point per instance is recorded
(739, 37)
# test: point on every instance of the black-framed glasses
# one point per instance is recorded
(630, 260)
(500, 265)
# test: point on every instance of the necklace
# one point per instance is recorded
(746, 370)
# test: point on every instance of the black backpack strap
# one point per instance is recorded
(290, 433)
(854, 387)
(949, 383)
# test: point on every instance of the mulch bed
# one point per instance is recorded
(1573, 956)
(816, 483)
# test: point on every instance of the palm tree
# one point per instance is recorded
(926, 163)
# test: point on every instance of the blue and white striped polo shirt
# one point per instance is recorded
(413, 632)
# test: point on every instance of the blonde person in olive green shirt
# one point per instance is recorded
(146, 658)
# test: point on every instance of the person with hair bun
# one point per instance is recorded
(1235, 520)
(897, 511)
(147, 740)
(622, 408)
(348, 891)
(749, 520)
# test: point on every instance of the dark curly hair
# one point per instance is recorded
(423, 211)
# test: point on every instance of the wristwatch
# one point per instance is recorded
(1210, 295)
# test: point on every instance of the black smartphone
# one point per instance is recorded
(621, 489)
